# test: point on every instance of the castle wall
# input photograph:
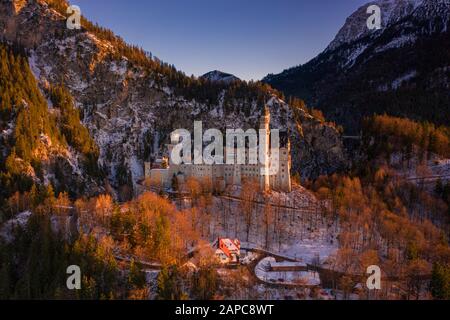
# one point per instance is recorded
(233, 174)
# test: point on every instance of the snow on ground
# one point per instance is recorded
(77, 84)
(307, 278)
(266, 293)
(310, 251)
(406, 77)
(293, 226)
(119, 68)
(33, 66)
(151, 278)
(351, 59)
(298, 198)
(397, 43)
(288, 264)
(137, 171)
(19, 221)
(441, 168)
(436, 167)
(248, 258)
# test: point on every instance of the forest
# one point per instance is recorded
(393, 224)
(35, 132)
(149, 228)
(387, 219)
(393, 134)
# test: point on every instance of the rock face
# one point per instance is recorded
(355, 27)
(401, 69)
(131, 112)
(28, 22)
(316, 147)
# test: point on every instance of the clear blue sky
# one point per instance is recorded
(249, 38)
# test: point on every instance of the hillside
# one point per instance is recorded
(402, 69)
(38, 144)
(130, 101)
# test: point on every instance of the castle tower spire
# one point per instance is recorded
(264, 149)
(264, 121)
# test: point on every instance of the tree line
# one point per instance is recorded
(386, 134)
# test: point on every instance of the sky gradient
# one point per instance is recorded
(248, 38)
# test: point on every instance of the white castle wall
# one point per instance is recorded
(234, 174)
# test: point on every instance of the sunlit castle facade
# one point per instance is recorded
(220, 176)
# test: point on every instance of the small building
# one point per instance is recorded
(286, 266)
(157, 174)
(159, 178)
(228, 251)
(160, 163)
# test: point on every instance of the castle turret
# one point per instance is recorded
(264, 149)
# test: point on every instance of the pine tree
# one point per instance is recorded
(440, 281)
(169, 284)
(205, 283)
(439, 188)
(164, 289)
(136, 277)
(175, 183)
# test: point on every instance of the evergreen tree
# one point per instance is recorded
(440, 281)
(169, 284)
(136, 277)
(205, 283)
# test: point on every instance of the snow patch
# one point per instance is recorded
(407, 76)
(397, 43)
(355, 54)
(20, 220)
(305, 278)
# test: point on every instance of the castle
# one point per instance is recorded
(163, 172)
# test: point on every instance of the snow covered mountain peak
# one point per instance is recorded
(217, 75)
(366, 70)
(392, 11)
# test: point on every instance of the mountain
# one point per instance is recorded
(220, 76)
(130, 101)
(403, 69)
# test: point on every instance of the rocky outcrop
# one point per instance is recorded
(28, 23)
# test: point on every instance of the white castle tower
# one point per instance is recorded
(264, 149)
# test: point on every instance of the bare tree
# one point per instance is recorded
(268, 221)
(248, 193)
